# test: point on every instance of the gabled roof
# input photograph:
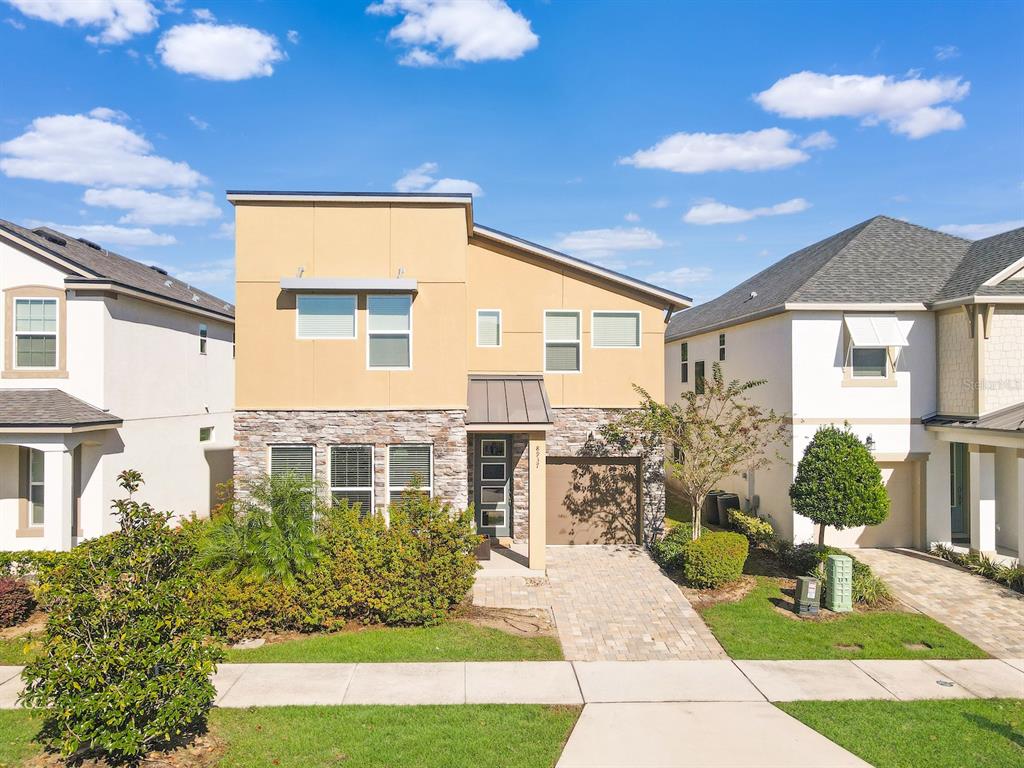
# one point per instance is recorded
(879, 261)
(94, 263)
(49, 408)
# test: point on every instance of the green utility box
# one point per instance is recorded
(808, 595)
(839, 578)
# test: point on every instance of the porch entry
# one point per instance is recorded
(492, 485)
(959, 512)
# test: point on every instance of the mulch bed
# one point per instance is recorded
(204, 751)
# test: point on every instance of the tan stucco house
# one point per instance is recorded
(382, 336)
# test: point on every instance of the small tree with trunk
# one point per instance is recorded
(717, 433)
(838, 483)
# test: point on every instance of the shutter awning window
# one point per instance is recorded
(875, 331)
(325, 317)
(388, 313)
(292, 460)
(562, 326)
(488, 328)
(616, 329)
(406, 463)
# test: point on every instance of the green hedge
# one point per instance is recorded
(715, 559)
(30, 563)
(758, 531)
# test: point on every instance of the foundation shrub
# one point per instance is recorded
(757, 530)
(714, 559)
(667, 551)
(16, 602)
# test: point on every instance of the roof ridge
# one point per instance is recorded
(860, 227)
(921, 226)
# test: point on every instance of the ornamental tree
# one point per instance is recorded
(838, 483)
(715, 434)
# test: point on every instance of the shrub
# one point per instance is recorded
(30, 563)
(126, 659)
(666, 551)
(1010, 575)
(16, 602)
(714, 559)
(757, 530)
(838, 483)
(809, 560)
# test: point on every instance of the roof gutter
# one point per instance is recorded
(976, 299)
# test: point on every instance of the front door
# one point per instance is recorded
(959, 519)
(492, 486)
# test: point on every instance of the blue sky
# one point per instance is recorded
(691, 144)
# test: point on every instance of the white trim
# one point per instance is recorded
(1004, 273)
(504, 471)
(373, 475)
(347, 285)
(370, 334)
(355, 318)
(501, 329)
(504, 448)
(639, 328)
(387, 471)
(578, 342)
(272, 446)
(975, 299)
(16, 333)
(32, 482)
(910, 306)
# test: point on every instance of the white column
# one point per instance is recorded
(983, 498)
(58, 473)
(538, 500)
(1020, 505)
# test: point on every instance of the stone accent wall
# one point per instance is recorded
(957, 378)
(446, 430)
(1003, 379)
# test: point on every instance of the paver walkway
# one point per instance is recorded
(610, 603)
(987, 614)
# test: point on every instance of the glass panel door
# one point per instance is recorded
(492, 486)
(959, 519)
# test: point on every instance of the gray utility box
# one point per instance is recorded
(839, 581)
(808, 595)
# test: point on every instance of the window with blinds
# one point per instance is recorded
(561, 341)
(389, 332)
(352, 475)
(35, 333)
(616, 329)
(291, 460)
(409, 463)
(488, 327)
(325, 317)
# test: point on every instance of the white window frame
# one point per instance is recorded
(272, 446)
(373, 475)
(501, 329)
(853, 373)
(32, 482)
(355, 317)
(209, 439)
(387, 468)
(504, 449)
(55, 333)
(370, 334)
(639, 328)
(578, 342)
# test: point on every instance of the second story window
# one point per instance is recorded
(203, 335)
(325, 317)
(488, 327)
(869, 362)
(721, 346)
(698, 377)
(389, 332)
(615, 329)
(562, 341)
(684, 358)
(35, 333)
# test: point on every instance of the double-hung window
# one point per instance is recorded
(562, 341)
(615, 329)
(869, 362)
(36, 487)
(409, 463)
(325, 317)
(352, 475)
(488, 327)
(35, 333)
(389, 332)
(292, 460)
(684, 357)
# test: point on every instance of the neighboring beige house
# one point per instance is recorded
(915, 339)
(107, 364)
(383, 336)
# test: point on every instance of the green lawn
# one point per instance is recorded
(13, 651)
(753, 629)
(676, 511)
(451, 641)
(499, 736)
(922, 734)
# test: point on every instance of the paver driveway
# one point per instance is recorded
(610, 603)
(989, 615)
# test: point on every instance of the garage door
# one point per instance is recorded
(593, 500)
(897, 530)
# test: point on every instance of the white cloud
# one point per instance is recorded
(819, 140)
(108, 114)
(600, 244)
(213, 272)
(714, 212)
(946, 52)
(440, 31)
(14, 23)
(703, 152)
(108, 234)
(198, 122)
(226, 231)
(120, 20)
(680, 277)
(741, 238)
(632, 217)
(661, 202)
(204, 14)
(80, 149)
(219, 51)
(979, 231)
(422, 179)
(913, 106)
(154, 208)
(293, 36)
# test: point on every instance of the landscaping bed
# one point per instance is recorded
(921, 734)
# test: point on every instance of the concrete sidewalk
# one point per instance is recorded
(604, 682)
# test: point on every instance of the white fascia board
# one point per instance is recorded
(348, 284)
(284, 197)
(1002, 274)
(910, 306)
(946, 303)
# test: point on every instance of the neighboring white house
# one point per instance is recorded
(105, 364)
(912, 337)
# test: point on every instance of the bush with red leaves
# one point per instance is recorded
(16, 602)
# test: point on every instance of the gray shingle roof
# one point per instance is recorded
(107, 265)
(881, 260)
(49, 408)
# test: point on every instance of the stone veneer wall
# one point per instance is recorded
(446, 430)
(1003, 378)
